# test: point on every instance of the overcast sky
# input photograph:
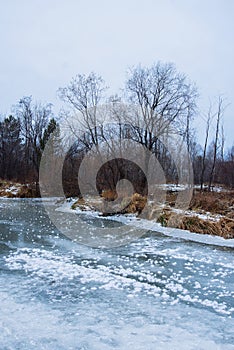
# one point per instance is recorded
(44, 43)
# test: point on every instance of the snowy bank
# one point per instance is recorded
(147, 225)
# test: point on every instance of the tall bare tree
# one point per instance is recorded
(165, 102)
(164, 97)
(219, 115)
(34, 120)
(83, 95)
(203, 168)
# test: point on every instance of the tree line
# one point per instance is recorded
(155, 101)
(23, 136)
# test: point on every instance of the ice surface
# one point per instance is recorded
(158, 292)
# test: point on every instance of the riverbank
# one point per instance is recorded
(144, 225)
(209, 213)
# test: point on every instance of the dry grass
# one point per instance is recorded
(109, 195)
(28, 191)
(217, 203)
(80, 203)
(21, 191)
(221, 203)
(84, 205)
(223, 227)
(4, 189)
(136, 204)
(130, 205)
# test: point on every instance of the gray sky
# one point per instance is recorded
(45, 43)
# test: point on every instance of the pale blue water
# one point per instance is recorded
(155, 293)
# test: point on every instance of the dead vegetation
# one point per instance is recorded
(224, 227)
(136, 204)
(213, 203)
(17, 190)
(109, 195)
(83, 205)
(123, 205)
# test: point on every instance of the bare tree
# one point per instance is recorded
(219, 115)
(203, 168)
(34, 120)
(165, 102)
(164, 97)
(83, 95)
(222, 143)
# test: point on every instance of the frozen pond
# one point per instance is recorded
(157, 292)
